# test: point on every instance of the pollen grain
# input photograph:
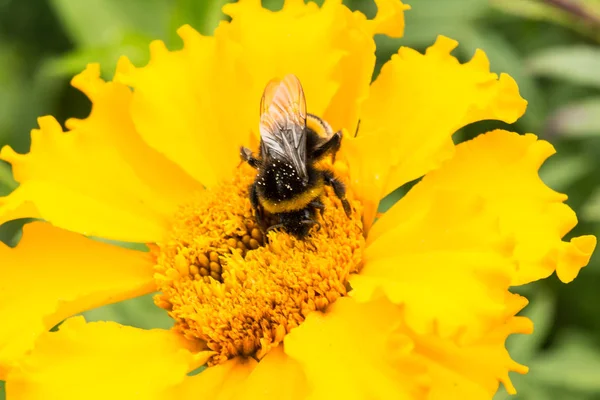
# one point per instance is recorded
(223, 284)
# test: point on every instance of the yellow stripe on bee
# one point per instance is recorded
(319, 126)
(294, 204)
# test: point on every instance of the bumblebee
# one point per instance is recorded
(290, 179)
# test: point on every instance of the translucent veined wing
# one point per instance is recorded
(283, 123)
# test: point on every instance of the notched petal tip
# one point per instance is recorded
(158, 49)
(573, 256)
(442, 47)
(125, 72)
(510, 105)
(517, 325)
(8, 154)
(537, 153)
(234, 9)
(503, 100)
(465, 93)
(88, 81)
(48, 123)
(479, 60)
(190, 38)
(186, 30)
(523, 326)
(74, 123)
(389, 19)
(99, 171)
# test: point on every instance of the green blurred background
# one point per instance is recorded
(551, 47)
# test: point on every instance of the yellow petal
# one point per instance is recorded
(99, 178)
(470, 371)
(444, 263)
(331, 49)
(53, 274)
(363, 351)
(390, 18)
(207, 95)
(450, 249)
(502, 168)
(176, 106)
(416, 104)
(277, 376)
(221, 382)
(574, 255)
(103, 360)
(367, 158)
(352, 352)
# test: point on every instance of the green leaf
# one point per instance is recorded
(12, 80)
(388, 201)
(578, 119)
(197, 370)
(41, 95)
(421, 33)
(578, 64)
(591, 209)
(140, 312)
(100, 22)
(450, 10)
(204, 16)
(537, 10)
(560, 171)
(126, 245)
(525, 8)
(532, 9)
(273, 5)
(132, 45)
(573, 364)
(429, 18)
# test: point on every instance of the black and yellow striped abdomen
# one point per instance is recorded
(274, 204)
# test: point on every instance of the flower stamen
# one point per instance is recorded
(225, 286)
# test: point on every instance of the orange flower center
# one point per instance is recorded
(225, 286)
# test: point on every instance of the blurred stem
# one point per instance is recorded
(576, 10)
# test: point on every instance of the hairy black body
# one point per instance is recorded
(290, 180)
(280, 192)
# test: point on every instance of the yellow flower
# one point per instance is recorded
(414, 306)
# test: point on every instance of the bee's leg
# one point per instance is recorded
(258, 210)
(316, 204)
(312, 208)
(271, 228)
(310, 213)
(338, 188)
(310, 223)
(331, 146)
(247, 156)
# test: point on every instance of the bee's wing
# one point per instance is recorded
(283, 123)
